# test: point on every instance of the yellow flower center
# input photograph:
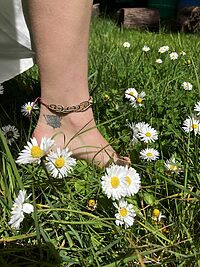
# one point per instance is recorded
(173, 167)
(115, 181)
(106, 97)
(131, 93)
(148, 134)
(60, 162)
(149, 154)
(91, 202)
(194, 126)
(123, 212)
(36, 152)
(28, 108)
(128, 180)
(9, 134)
(139, 100)
(156, 213)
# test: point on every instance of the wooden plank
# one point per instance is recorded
(139, 17)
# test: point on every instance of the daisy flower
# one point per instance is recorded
(148, 134)
(138, 100)
(27, 108)
(11, 133)
(32, 152)
(197, 108)
(182, 53)
(91, 204)
(126, 44)
(113, 182)
(163, 49)
(159, 61)
(1, 89)
(139, 125)
(125, 214)
(149, 154)
(172, 166)
(131, 93)
(191, 124)
(173, 56)
(136, 128)
(135, 98)
(157, 215)
(60, 163)
(132, 179)
(187, 86)
(106, 98)
(18, 210)
(146, 48)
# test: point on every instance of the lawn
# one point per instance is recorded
(64, 229)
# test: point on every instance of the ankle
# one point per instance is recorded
(81, 119)
(74, 120)
(66, 98)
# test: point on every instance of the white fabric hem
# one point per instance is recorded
(16, 55)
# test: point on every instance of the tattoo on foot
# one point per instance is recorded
(53, 120)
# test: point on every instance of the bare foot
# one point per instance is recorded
(78, 132)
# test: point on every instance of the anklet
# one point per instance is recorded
(56, 108)
(83, 106)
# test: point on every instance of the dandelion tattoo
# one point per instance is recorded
(53, 120)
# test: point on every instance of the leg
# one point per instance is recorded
(61, 31)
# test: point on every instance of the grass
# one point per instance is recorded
(62, 232)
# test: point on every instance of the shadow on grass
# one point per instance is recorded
(29, 255)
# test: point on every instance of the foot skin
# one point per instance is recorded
(89, 145)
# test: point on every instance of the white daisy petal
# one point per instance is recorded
(163, 49)
(149, 154)
(197, 108)
(187, 86)
(172, 166)
(159, 61)
(60, 163)
(131, 93)
(173, 56)
(15, 222)
(157, 215)
(135, 138)
(27, 208)
(192, 124)
(147, 134)
(125, 214)
(138, 101)
(18, 209)
(27, 108)
(126, 44)
(118, 222)
(46, 144)
(182, 53)
(129, 220)
(33, 152)
(136, 128)
(1, 89)
(146, 48)
(21, 197)
(132, 180)
(113, 183)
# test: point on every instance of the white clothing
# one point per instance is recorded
(16, 54)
